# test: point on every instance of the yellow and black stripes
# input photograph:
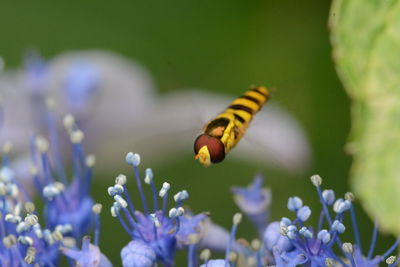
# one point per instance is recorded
(247, 105)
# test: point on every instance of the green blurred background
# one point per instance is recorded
(221, 45)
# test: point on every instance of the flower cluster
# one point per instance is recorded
(66, 200)
(69, 211)
(303, 245)
(288, 243)
(24, 241)
(156, 232)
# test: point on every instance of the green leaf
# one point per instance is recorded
(366, 41)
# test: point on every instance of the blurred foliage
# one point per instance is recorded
(369, 67)
(223, 46)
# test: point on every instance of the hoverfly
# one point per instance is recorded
(224, 132)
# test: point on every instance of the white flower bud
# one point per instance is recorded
(69, 122)
(237, 218)
(41, 144)
(76, 136)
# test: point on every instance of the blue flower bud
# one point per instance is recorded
(119, 189)
(324, 236)
(128, 158)
(22, 227)
(305, 232)
(216, 263)
(133, 159)
(294, 203)
(164, 189)
(149, 176)
(338, 227)
(341, 205)
(111, 191)
(121, 201)
(6, 174)
(47, 236)
(291, 232)
(138, 254)
(285, 221)
(304, 213)
(328, 196)
(181, 196)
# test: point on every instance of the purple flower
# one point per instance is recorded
(190, 225)
(273, 238)
(254, 201)
(88, 256)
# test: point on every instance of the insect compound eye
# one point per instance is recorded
(215, 147)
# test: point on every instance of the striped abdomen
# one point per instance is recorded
(245, 106)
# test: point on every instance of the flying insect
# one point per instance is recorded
(222, 133)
